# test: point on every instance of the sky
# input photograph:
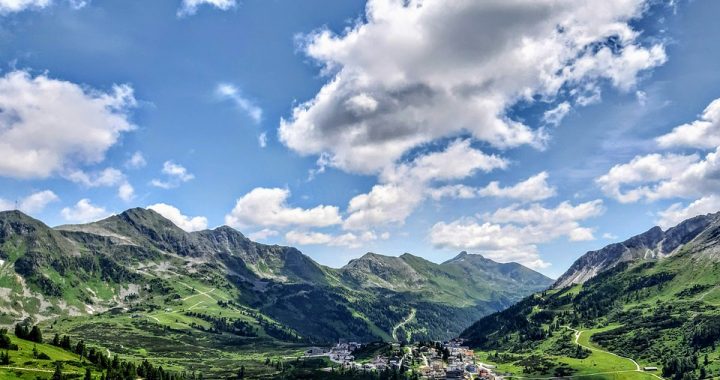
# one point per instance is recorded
(523, 130)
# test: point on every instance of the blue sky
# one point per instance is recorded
(527, 131)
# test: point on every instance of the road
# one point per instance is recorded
(577, 338)
(578, 333)
(407, 320)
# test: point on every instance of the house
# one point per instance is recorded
(315, 351)
(455, 373)
(650, 368)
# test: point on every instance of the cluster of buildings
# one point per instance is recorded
(340, 353)
(452, 360)
(437, 360)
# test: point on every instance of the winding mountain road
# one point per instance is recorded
(407, 320)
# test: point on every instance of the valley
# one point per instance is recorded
(211, 302)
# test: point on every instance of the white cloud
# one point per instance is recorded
(459, 191)
(105, 178)
(655, 176)
(660, 176)
(663, 176)
(189, 7)
(263, 234)
(348, 239)
(556, 115)
(512, 233)
(187, 223)
(268, 207)
(532, 189)
(175, 173)
(609, 236)
(459, 160)
(231, 92)
(83, 212)
(677, 213)
(702, 133)
(415, 71)
(51, 126)
(384, 204)
(10, 6)
(136, 161)
(404, 186)
(262, 140)
(33, 203)
(126, 192)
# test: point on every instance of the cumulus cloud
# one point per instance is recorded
(189, 7)
(556, 115)
(231, 92)
(262, 140)
(126, 192)
(105, 178)
(10, 6)
(175, 175)
(84, 212)
(187, 223)
(267, 207)
(136, 161)
(50, 126)
(512, 233)
(404, 186)
(348, 239)
(663, 176)
(702, 133)
(532, 189)
(414, 71)
(33, 203)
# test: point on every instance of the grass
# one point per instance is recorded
(23, 364)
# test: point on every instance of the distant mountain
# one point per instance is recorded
(140, 262)
(654, 298)
(462, 280)
(653, 244)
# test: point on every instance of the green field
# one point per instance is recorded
(24, 365)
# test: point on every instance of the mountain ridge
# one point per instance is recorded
(651, 244)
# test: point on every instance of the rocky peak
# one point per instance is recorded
(650, 245)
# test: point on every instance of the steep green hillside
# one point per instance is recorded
(662, 312)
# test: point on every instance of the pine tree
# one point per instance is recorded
(35, 335)
(88, 374)
(21, 331)
(57, 375)
(56, 340)
(4, 358)
(241, 373)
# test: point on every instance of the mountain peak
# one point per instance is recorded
(17, 218)
(651, 244)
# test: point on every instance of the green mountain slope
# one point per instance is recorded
(660, 310)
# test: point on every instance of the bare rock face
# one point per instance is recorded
(652, 244)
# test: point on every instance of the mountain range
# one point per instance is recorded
(139, 262)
